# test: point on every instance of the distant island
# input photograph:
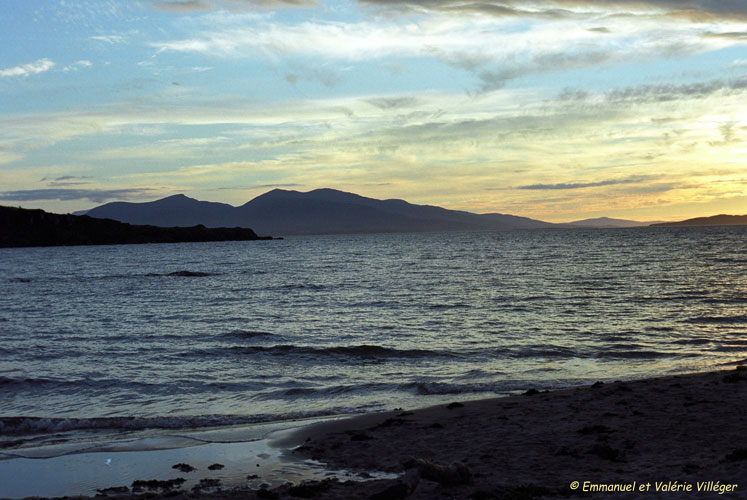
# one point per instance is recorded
(716, 220)
(605, 223)
(21, 227)
(321, 211)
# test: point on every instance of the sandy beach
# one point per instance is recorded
(672, 437)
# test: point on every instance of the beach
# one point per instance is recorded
(677, 436)
(687, 429)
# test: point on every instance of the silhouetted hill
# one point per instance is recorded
(25, 228)
(716, 220)
(322, 211)
(173, 211)
(605, 222)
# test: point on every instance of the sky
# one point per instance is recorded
(557, 110)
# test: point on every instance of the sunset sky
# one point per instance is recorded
(553, 109)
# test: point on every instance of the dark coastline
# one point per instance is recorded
(31, 228)
(716, 220)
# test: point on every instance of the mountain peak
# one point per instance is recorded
(177, 197)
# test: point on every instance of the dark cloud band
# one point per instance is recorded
(94, 195)
(582, 185)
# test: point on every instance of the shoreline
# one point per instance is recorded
(673, 433)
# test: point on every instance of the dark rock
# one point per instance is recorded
(183, 467)
(400, 488)
(451, 406)
(451, 475)
(310, 489)
(208, 483)
(114, 490)
(605, 452)
(215, 467)
(564, 451)
(531, 392)
(597, 385)
(360, 436)
(155, 484)
(523, 492)
(690, 468)
(594, 429)
(266, 494)
(390, 422)
(737, 455)
(733, 378)
(396, 491)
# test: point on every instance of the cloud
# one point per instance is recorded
(393, 102)
(63, 194)
(496, 50)
(696, 10)
(66, 180)
(269, 186)
(189, 6)
(673, 92)
(33, 68)
(732, 35)
(77, 65)
(325, 74)
(184, 6)
(583, 185)
(108, 38)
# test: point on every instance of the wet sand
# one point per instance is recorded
(672, 437)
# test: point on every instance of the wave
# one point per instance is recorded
(436, 388)
(458, 305)
(184, 273)
(727, 320)
(324, 392)
(29, 383)
(693, 341)
(632, 354)
(92, 386)
(20, 426)
(730, 260)
(301, 286)
(544, 352)
(246, 334)
(364, 351)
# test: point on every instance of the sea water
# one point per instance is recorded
(105, 342)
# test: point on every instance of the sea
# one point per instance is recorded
(105, 343)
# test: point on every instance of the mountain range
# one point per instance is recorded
(322, 211)
(325, 211)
